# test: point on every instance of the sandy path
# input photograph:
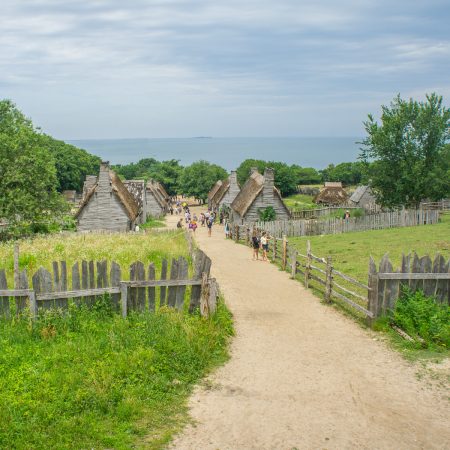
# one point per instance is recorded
(302, 376)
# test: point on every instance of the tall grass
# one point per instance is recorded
(90, 379)
(124, 248)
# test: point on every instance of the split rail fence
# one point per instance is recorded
(143, 291)
(372, 299)
(392, 219)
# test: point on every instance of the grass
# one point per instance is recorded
(90, 379)
(124, 248)
(351, 253)
(299, 201)
(153, 222)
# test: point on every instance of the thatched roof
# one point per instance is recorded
(360, 191)
(136, 189)
(163, 191)
(214, 189)
(127, 200)
(331, 195)
(218, 196)
(252, 187)
(157, 191)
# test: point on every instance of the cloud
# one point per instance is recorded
(249, 57)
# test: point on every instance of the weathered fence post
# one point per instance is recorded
(294, 264)
(329, 279)
(274, 255)
(372, 283)
(236, 233)
(284, 255)
(204, 307)
(16, 267)
(123, 299)
(308, 263)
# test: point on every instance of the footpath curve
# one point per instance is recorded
(302, 375)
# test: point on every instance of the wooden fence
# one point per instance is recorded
(401, 218)
(442, 205)
(318, 212)
(372, 299)
(89, 279)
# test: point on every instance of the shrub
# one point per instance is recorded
(267, 214)
(422, 316)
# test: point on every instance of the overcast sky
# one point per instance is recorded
(181, 68)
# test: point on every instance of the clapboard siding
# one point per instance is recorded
(104, 211)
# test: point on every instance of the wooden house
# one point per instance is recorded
(156, 200)
(227, 192)
(363, 197)
(106, 204)
(213, 192)
(258, 193)
(331, 194)
(137, 189)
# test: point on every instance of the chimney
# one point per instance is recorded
(233, 177)
(253, 170)
(104, 165)
(269, 179)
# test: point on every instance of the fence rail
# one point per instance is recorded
(383, 287)
(142, 292)
(318, 212)
(401, 218)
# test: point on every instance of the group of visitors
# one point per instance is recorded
(206, 219)
(260, 243)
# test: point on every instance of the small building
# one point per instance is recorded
(363, 197)
(258, 193)
(213, 192)
(331, 194)
(156, 200)
(106, 204)
(227, 192)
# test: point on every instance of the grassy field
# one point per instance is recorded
(351, 251)
(72, 247)
(299, 201)
(90, 379)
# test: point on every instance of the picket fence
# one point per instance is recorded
(392, 219)
(90, 279)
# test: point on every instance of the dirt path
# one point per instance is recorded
(303, 376)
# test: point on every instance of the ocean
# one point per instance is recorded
(315, 152)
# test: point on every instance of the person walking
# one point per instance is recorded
(227, 229)
(255, 246)
(209, 224)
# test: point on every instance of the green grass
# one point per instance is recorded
(124, 248)
(91, 379)
(351, 252)
(153, 222)
(299, 201)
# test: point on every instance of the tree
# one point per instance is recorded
(168, 173)
(307, 175)
(285, 176)
(347, 172)
(408, 149)
(198, 179)
(28, 181)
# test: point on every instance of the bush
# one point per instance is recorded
(267, 214)
(422, 316)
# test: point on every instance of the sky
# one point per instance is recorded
(180, 68)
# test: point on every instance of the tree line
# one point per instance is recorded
(405, 158)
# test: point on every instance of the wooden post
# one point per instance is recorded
(284, 255)
(294, 264)
(123, 299)
(308, 263)
(373, 305)
(204, 307)
(33, 305)
(16, 267)
(274, 255)
(329, 279)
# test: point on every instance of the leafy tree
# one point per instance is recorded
(267, 214)
(285, 176)
(306, 175)
(168, 173)
(28, 181)
(198, 179)
(348, 172)
(72, 163)
(408, 149)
